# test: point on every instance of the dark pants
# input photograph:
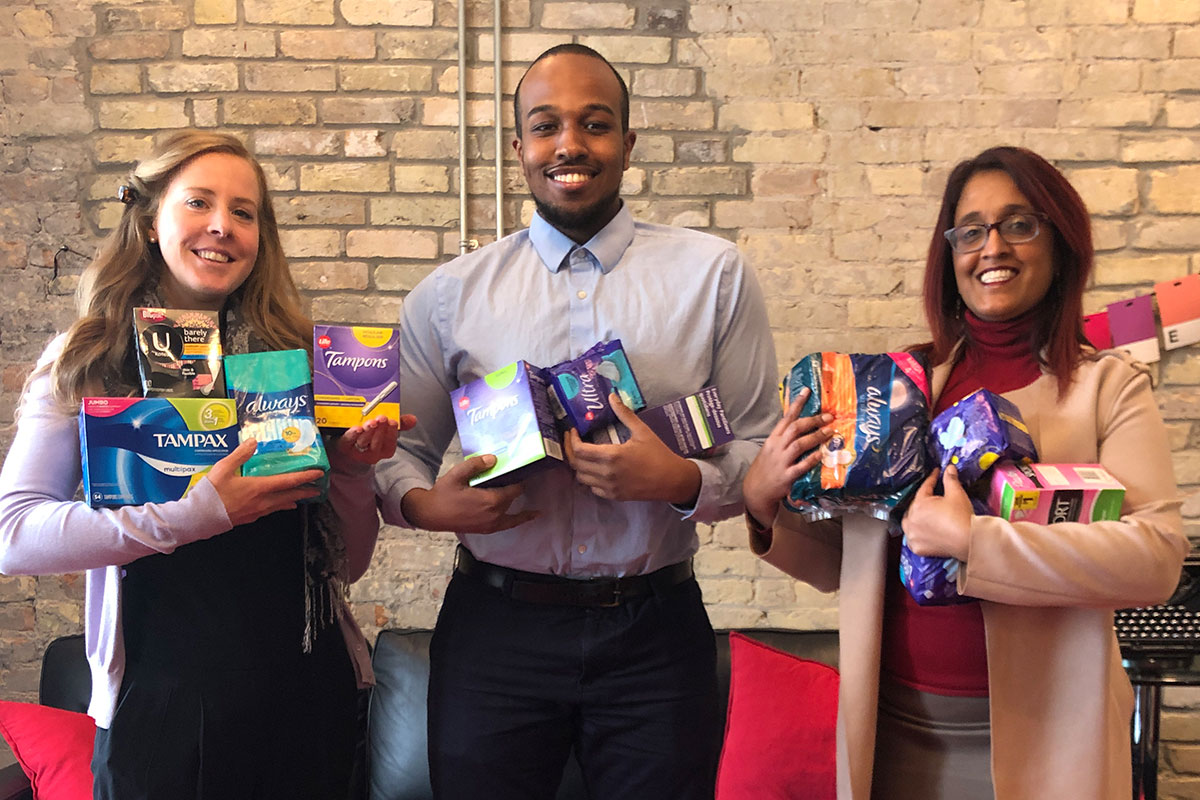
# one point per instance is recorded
(515, 687)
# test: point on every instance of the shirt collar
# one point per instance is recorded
(606, 247)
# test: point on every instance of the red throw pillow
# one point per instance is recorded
(780, 729)
(53, 746)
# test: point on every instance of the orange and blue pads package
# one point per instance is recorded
(877, 455)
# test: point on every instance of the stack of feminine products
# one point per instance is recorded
(197, 405)
(984, 437)
(520, 413)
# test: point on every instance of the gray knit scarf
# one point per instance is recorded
(326, 568)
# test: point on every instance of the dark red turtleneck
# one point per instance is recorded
(999, 357)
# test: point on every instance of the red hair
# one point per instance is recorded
(1057, 338)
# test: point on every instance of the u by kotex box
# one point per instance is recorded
(1050, 493)
(692, 424)
(179, 352)
(356, 374)
(507, 413)
(139, 450)
(273, 395)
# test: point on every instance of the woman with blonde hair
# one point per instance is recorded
(1019, 694)
(224, 658)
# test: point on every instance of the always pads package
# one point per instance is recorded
(877, 455)
(356, 374)
(273, 393)
(179, 352)
(139, 450)
(507, 413)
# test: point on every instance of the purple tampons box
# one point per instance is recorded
(507, 413)
(356, 374)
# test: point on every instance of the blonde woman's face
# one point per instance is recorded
(207, 230)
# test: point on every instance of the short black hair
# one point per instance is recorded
(579, 50)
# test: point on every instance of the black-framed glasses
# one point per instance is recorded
(1014, 229)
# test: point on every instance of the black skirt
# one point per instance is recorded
(218, 699)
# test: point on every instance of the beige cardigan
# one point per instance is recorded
(1060, 700)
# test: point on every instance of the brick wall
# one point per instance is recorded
(815, 133)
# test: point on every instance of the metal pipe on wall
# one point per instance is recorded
(464, 243)
(499, 124)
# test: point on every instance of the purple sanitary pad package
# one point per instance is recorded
(582, 386)
(976, 432)
(933, 580)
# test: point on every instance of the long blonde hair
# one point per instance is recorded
(99, 341)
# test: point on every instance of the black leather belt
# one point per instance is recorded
(534, 587)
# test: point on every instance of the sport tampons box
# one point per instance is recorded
(1050, 493)
(151, 449)
(507, 413)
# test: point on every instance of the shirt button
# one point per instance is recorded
(582, 549)
(581, 294)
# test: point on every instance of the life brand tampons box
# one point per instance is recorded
(1049, 493)
(151, 449)
(507, 413)
(356, 374)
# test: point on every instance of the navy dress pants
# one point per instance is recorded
(517, 687)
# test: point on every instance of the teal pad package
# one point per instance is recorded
(273, 393)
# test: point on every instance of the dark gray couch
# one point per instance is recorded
(393, 764)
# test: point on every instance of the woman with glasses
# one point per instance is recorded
(1020, 692)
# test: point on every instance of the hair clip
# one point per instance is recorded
(127, 194)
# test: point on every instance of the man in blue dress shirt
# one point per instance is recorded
(573, 621)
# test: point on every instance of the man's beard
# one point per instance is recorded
(583, 219)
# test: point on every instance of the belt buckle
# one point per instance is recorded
(616, 596)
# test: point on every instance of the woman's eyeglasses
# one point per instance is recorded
(1014, 229)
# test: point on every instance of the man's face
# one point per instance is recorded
(572, 149)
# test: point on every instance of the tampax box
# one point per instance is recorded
(356, 374)
(507, 413)
(689, 425)
(151, 449)
(1049, 493)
